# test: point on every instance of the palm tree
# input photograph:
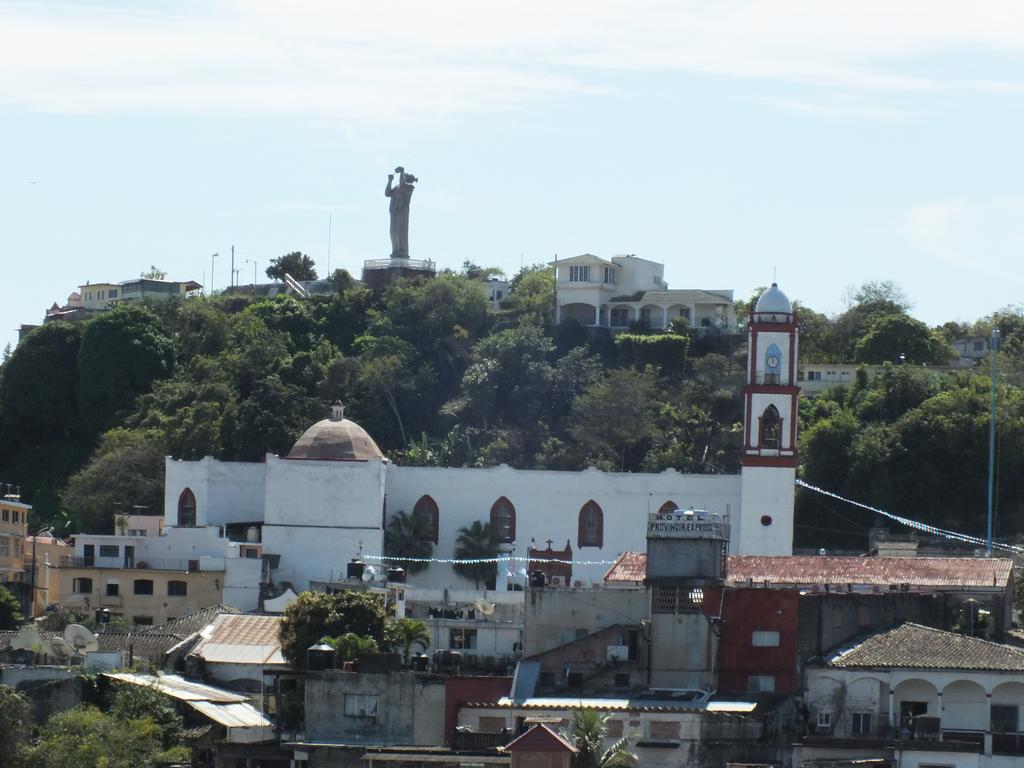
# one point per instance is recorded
(473, 542)
(351, 646)
(410, 536)
(406, 633)
(587, 734)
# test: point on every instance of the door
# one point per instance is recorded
(89, 552)
(129, 556)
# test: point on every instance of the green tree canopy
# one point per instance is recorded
(10, 610)
(317, 614)
(297, 264)
(901, 338)
(15, 724)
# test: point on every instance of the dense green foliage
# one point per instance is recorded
(87, 412)
(316, 615)
(15, 722)
(10, 610)
(410, 534)
(587, 733)
(403, 634)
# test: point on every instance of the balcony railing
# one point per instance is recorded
(206, 564)
(424, 265)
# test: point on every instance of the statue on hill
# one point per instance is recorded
(400, 196)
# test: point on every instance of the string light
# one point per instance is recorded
(925, 527)
(481, 560)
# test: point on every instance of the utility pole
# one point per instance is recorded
(330, 219)
(214, 256)
(993, 348)
(232, 265)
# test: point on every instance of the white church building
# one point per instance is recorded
(331, 497)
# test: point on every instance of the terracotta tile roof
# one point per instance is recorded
(540, 738)
(190, 623)
(241, 639)
(795, 571)
(912, 646)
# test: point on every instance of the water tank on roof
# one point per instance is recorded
(252, 535)
(319, 657)
(354, 569)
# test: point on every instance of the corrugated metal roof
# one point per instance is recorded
(232, 715)
(617, 705)
(179, 688)
(912, 646)
(953, 572)
(241, 639)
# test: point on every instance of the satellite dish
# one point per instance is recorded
(484, 606)
(61, 647)
(368, 573)
(81, 638)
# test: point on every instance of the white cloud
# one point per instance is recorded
(983, 237)
(407, 59)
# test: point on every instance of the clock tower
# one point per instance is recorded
(768, 453)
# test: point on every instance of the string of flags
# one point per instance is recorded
(481, 560)
(925, 527)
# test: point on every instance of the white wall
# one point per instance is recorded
(547, 507)
(226, 492)
(766, 491)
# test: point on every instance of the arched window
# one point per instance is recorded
(187, 509)
(503, 521)
(428, 507)
(177, 588)
(591, 527)
(771, 427)
(668, 508)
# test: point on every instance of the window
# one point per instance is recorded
(684, 313)
(7, 515)
(591, 526)
(669, 598)
(814, 375)
(860, 724)
(1004, 718)
(491, 724)
(143, 586)
(5, 547)
(187, 509)
(109, 550)
(824, 722)
(645, 315)
(112, 293)
(771, 427)
(81, 586)
(579, 274)
(113, 589)
(428, 507)
(142, 621)
(978, 346)
(765, 638)
(619, 317)
(761, 683)
(360, 705)
(462, 639)
(177, 588)
(609, 275)
(503, 521)
(622, 680)
(14, 516)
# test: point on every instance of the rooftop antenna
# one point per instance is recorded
(775, 275)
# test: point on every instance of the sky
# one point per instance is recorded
(825, 143)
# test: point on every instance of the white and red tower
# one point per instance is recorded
(769, 455)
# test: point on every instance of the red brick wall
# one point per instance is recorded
(460, 690)
(744, 611)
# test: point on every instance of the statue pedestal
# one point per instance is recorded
(380, 273)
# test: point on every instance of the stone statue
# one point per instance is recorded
(400, 196)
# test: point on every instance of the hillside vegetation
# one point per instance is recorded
(88, 411)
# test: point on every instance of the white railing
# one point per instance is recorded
(421, 264)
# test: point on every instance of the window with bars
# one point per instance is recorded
(666, 599)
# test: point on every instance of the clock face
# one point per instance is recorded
(773, 361)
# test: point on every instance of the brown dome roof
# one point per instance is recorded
(335, 439)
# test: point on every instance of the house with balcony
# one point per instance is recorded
(917, 696)
(150, 573)
(622, 291)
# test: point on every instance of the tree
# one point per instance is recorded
(142, 702)
(476, 541)
(15, 724)
(316, 614)
(410, 535)
(10, 610)
(127, 471)
(350, 646)
(123, 352)
(587, 733)
(297, 264)
(405, 633)
(153, 273)
(532, 294)
(615, 417)
(901, 338)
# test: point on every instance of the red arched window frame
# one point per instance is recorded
(503, 521)
(591, 526)
(426, 505)
(187, 509)
(668, 507)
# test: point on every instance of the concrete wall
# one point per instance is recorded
(410, 708)
(226, 492)
(557, 615)
(745, 611)
(49, 689)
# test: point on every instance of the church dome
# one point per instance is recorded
(773, 301)
(335, 439)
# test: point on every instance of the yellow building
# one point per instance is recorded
(48, 551)
(99, 295)
(13, 531)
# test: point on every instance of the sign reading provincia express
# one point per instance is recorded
(680, 525)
